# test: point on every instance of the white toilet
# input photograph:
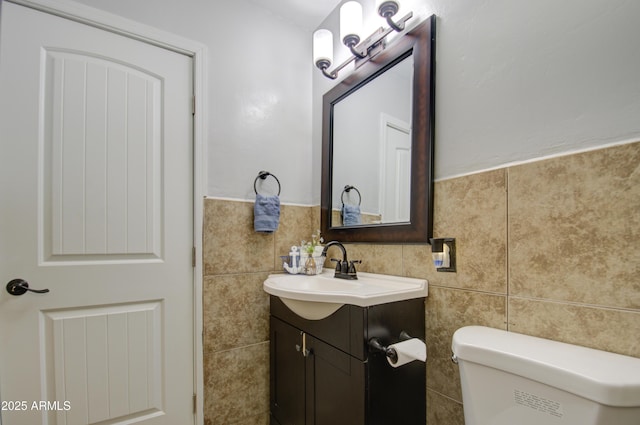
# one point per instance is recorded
(514, 379)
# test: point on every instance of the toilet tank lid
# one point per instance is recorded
(607, 378)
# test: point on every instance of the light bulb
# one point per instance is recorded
(322, 48)
(350, 20)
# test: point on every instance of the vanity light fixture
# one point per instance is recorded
(350, 27)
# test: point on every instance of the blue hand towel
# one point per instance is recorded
(351, 215)
(266, 213)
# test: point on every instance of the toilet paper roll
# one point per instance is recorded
(408, 351)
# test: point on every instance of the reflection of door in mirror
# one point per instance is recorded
(395, 169)
(361, 147)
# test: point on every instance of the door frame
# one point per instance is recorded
(198, 52)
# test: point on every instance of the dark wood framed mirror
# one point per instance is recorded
(353, 158)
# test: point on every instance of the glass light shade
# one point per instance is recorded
(350, 19)
(322, 46)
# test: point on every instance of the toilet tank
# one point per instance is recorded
(513, 379)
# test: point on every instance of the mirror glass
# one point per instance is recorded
(377, 146)
(372, 146)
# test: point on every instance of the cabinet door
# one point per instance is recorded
(335, 386)
(287, 374)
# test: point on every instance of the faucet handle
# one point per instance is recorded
(338, 264)
(352, 266)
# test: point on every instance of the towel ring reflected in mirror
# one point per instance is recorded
(263, 176)
(348, 189)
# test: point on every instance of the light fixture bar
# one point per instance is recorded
(369, 48)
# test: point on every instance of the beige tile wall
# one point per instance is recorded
(236, 309)
(550, 248)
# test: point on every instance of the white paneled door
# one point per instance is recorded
(395, 169)
(96, 206)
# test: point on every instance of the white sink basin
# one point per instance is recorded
(319, 296)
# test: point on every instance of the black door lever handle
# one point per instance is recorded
(21, 286)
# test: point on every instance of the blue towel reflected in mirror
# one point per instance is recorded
(351, 215)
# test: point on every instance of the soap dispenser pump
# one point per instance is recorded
(443, 252)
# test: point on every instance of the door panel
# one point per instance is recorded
(96, 205)
(106, 359)
(102, 156)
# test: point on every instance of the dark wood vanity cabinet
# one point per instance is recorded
(323, 372)
(312, 388)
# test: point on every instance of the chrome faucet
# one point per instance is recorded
(344, 269)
